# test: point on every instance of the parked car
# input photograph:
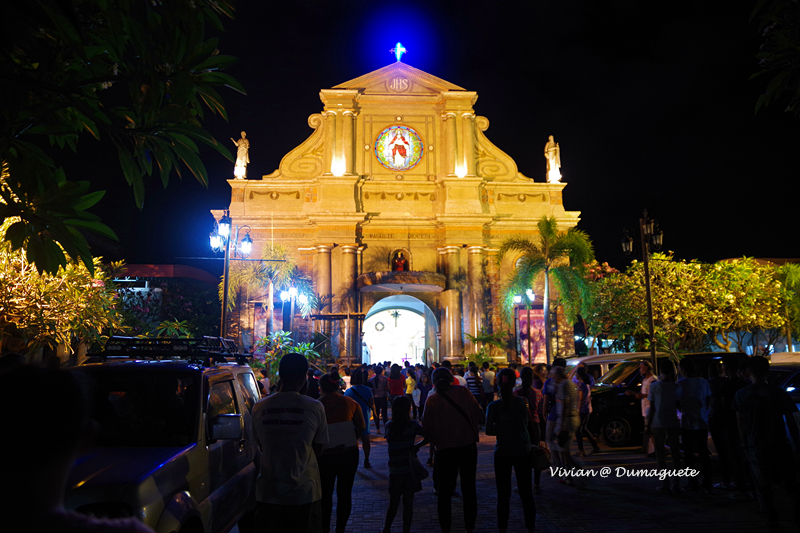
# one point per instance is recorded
(599, 364)
(787, 377)
(175, 448)
(616, 416)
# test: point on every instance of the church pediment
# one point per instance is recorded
(399, 79)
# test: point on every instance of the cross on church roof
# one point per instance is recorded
(398, 51)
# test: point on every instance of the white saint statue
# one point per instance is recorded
(242, 157)
(552, 152)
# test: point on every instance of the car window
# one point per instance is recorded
(143, 408)
(776, 377)
(221, 399)
(618, 374)
(793, 387)
(249, 389)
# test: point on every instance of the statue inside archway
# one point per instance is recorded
(399, 263)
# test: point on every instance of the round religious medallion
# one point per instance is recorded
(379, 326)
(399, 148)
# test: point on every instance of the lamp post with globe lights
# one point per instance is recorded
(220, 241)
(651, 236)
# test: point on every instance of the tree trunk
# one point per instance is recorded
(727, 344)
(270, 309)
(547, 333)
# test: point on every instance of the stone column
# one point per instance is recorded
(329, 151)
(348, 154)
(323, 279)
(349, 327)
(476, 284)
(452, 341)
(449, 119)
(467, 142)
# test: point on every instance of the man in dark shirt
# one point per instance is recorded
(760, 412)
(731, 457)
(313, 385)
(380, 390)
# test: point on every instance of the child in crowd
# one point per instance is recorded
(400, 434)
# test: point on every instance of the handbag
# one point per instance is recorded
(540, 458)
(416, 395)
(418, 472)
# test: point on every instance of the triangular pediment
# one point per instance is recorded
(399, 78)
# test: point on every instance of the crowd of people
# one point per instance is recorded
(531, 409)
(308, 427)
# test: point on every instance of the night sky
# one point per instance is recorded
(651, 103)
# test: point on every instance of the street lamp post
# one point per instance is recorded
(220, 240)
(650, 234)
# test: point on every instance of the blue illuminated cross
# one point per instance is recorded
(398, 51)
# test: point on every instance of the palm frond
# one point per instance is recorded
(519, 244)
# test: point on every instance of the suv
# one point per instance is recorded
(175, 447)
(617, 417)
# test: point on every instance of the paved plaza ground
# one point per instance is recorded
(612, 504)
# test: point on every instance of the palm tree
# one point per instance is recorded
(560, 254)
(275, 271)
(789, 276)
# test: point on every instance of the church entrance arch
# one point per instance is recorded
(400, 328)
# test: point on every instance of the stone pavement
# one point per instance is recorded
(611, 504)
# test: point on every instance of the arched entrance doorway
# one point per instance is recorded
(400, 328)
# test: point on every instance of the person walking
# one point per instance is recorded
(474, 383)
(291, 430)
(726, 418)
(567, 420)
(363, 395)
(487, 383)
(509, 420)
(452, 417)
(551, 414)
(663, 424)
(646, 371)
(694, 395)
(761, 410)
(397, 383)
(534, 398)
(411, 385)
(380, 391)
(425, 388)
(401, 434)
(339, 460)
(584, 410)
(312, 388)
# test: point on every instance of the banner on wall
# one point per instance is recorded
(530, 335)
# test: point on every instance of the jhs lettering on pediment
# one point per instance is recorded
(399, 85)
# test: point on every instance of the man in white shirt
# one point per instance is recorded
(487, 377)
(646, 370)
(291, 430)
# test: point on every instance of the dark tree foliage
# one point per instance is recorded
(140, 73)
(779, 54)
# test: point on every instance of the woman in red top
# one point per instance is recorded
(534, 397)
(397, 383)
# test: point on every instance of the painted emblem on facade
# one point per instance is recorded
(399, 148)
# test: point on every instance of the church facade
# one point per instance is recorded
(397, 200)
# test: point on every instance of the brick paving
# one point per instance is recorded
(614, 504)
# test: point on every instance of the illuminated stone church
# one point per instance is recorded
(396, 203)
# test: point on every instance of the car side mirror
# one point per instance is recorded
(226, 427)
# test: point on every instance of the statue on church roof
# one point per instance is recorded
(552, 152)
(242, 156)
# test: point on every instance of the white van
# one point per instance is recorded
(598, 365)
